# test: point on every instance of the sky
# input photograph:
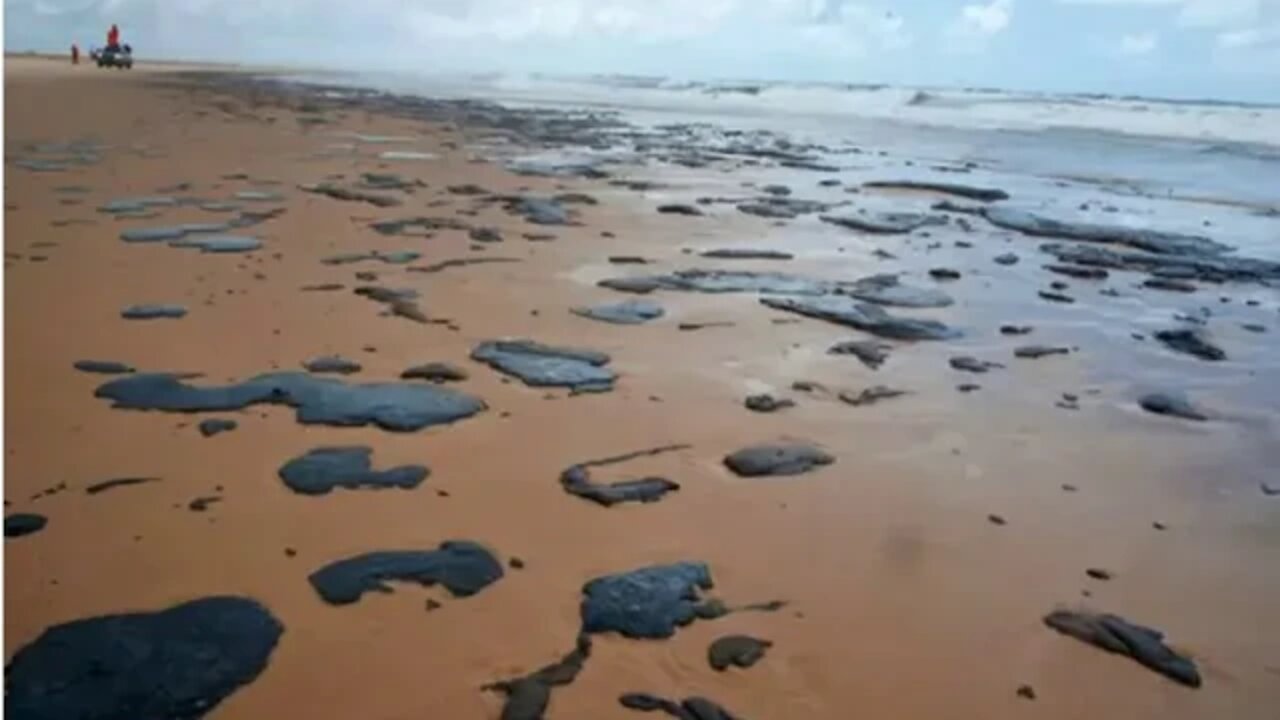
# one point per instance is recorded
(1223, 49)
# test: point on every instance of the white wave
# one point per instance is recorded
(1214, 122)
(1208, 121)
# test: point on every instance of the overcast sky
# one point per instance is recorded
(1176, 48)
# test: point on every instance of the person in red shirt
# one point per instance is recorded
(113, 36)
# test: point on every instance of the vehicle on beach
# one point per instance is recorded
(117, 57)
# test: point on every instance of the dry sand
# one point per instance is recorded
(905, 602)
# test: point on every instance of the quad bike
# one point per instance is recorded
(120, 56)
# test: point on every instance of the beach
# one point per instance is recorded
(915, 566)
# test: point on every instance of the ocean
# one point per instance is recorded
(1216, 150)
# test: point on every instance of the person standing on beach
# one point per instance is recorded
(75, 54)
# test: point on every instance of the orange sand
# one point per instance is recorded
(905, 602)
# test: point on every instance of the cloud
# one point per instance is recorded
(1122, 2)
(1139, 43)
(48, 7)
(862, 22)
(1218, 13)
(793, 39)
(509, 20)
(836, 40)
(1197, 13)
(522, 19)
(1249, 38)
(976, 25)
(985, 20)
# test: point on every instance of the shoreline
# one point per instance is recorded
(995, 144)
(864, 106)
(894, 576)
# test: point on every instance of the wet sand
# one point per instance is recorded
(903, 599)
